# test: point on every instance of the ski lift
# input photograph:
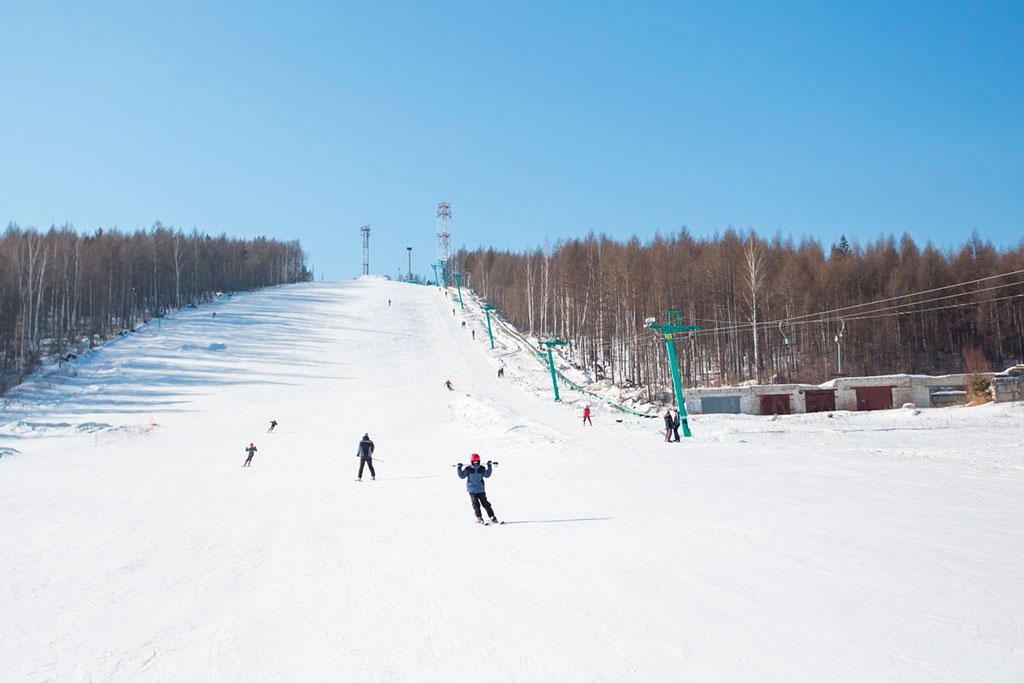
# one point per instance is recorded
(785, 337)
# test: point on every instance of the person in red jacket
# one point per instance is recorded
(448, 383)
(586, 416)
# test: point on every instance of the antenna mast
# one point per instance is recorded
(365, 230)
(444, 220)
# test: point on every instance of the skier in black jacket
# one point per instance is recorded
(365, 455)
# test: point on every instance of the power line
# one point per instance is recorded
(823, 314)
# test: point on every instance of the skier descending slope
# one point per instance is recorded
(474, 476)
(365, 455)
(251, 450)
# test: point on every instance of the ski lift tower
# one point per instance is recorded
(365, 230)
(444, 221)
(666, 331)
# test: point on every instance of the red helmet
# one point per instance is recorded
(474, 458)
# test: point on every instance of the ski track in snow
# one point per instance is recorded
(133, 547)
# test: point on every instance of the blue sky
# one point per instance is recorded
(537, 121)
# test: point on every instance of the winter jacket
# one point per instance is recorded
(475, 474)
(676, 421)
(365, 448)
(669, 421)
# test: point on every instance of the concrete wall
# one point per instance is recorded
(914, 389)
(1008, 388)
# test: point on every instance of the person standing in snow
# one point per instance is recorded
(251, 450)
(448, 383)
(675, 426)
(501, 372)
(273, 423)
(365, 455)
(474, 334)
(586, 416)
(474, 476)
(668, 425)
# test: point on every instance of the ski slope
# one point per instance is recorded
(133, 546)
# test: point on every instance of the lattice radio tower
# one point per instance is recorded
(365, 230)
(444, 221)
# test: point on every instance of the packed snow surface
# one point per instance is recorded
(133, 547)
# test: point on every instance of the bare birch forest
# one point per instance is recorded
(60, 290)
(770, 310)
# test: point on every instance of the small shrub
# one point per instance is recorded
(979, 389)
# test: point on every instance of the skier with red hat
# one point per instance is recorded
(474, 476)
(251, 450)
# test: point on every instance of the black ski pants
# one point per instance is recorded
(366, 460)
(675, 433)
(479, 499)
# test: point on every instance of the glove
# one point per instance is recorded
(460, 464)
(488, 463)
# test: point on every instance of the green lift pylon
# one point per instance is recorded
(444, 274)
(487, 309)
(668, 329)
(458, 284)
(551, 362)
(436, 281)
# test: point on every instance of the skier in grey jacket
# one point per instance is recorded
(474, 476)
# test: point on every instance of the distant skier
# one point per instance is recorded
(389, 303)
(586, 416)
(453, 310)
(474, 334)
(448, 383)
(474, 476)
(365, 455)
(251, 450)
(676, 422)
(501, 372)
(668, 425)
(463, 324)
(273, 423)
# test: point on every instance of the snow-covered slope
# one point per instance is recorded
(133, 546)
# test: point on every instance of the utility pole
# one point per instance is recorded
(409, 276)
(458, 284)
(551, 362)
(487, 309)
(668, 329)
(365, 230)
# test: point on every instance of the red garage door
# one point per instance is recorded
(820, 400)
(775, 404)
(874, 398)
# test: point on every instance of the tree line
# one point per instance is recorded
(770, 310)
(61, 290)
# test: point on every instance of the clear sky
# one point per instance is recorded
(537, 120)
